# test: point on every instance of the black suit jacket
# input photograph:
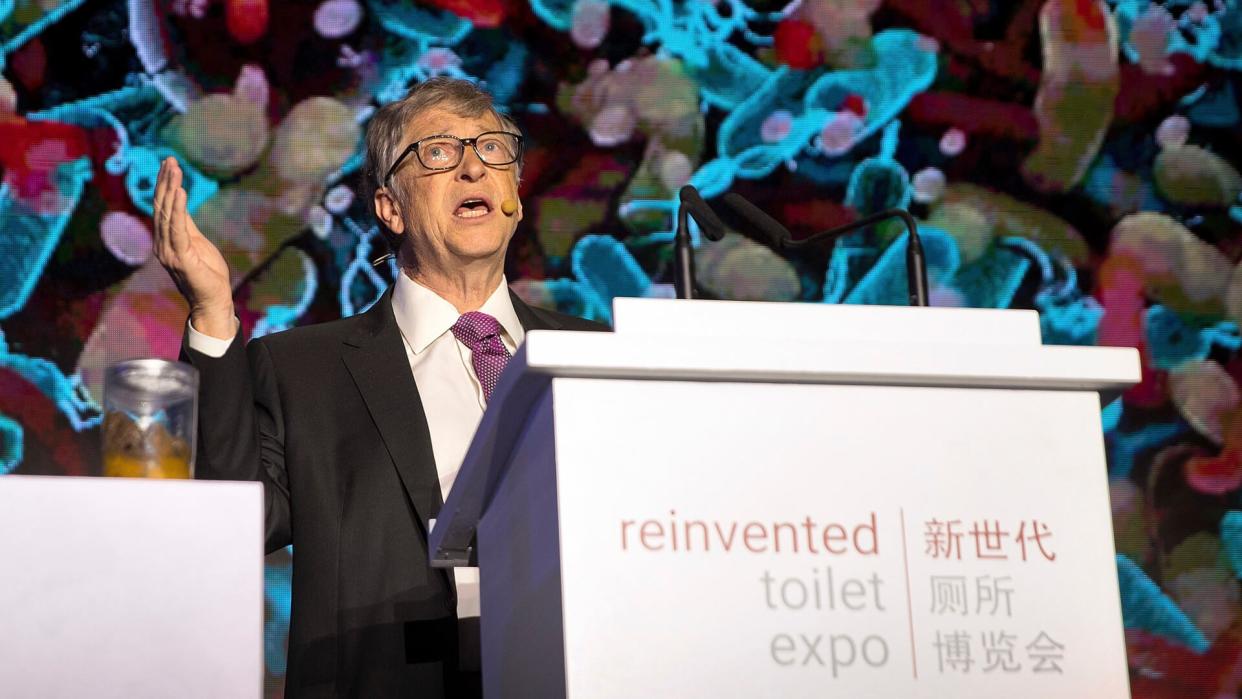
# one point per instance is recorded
(329, 419)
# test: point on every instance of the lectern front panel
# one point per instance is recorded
(739, 540)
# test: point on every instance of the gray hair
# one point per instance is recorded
(387, 128)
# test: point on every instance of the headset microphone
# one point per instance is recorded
(509, 207)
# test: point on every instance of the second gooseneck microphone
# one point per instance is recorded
(916, 264)
(691, 205)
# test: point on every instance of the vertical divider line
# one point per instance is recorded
(905, 562)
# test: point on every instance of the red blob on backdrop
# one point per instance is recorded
(797, 45)
(1164, 669)
(806, 214)
(30, 152)
(974, 115)
(481, 13)
(1215, 475)
(855, 103)
(29, 64)
(246, 19)
(1091, 14)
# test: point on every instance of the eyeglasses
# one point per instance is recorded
(444, 152)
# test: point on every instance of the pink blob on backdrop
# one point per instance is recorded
(337, 18)
(1173, 131)
(942, 296)
(126, 237)
(776, 126)
(8, 97)
(192, 8)
(47, 154)
(953, 142)
(1149, 35)
(252, 85)
(590, 23)
(837, 136)
(675, 170)
(320, 221)
(929, 185)
(439, 60)
(613, 125)
(928, 44)
(338, 199)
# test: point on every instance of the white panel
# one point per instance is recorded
(645, 620)
(617, 355)
(740, 320)
(130, 588)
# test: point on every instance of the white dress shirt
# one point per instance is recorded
(451, 394)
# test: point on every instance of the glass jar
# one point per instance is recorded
(150, 419)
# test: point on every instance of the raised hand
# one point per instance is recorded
(194, 263)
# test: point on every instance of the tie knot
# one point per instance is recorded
(481, 333)
(474, 329)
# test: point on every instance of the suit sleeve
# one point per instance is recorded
(241, 427)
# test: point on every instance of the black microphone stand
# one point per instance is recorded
(683, 255)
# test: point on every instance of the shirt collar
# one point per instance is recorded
(423, 315)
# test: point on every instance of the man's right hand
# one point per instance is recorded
(194, 263)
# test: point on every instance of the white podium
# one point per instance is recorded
(118, 587)
(760, 500)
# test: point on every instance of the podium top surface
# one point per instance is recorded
(824, 322)
(780, 360)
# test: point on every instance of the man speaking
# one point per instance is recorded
(357, 427)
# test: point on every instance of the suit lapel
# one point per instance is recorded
(375, 355)
(376, 358)
(532, 318)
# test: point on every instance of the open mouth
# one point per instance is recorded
(473, 207)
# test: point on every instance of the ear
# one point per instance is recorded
(388, 210)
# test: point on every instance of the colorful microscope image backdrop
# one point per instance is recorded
(1078, 157)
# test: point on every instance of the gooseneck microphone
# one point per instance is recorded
(777, 235)
(780, 237)
(692, 204)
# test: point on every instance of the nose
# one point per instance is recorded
(472, 168)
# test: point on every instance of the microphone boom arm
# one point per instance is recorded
(916, 264)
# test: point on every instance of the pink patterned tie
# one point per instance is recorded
(481, 333)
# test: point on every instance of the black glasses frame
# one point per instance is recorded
(472, 142)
